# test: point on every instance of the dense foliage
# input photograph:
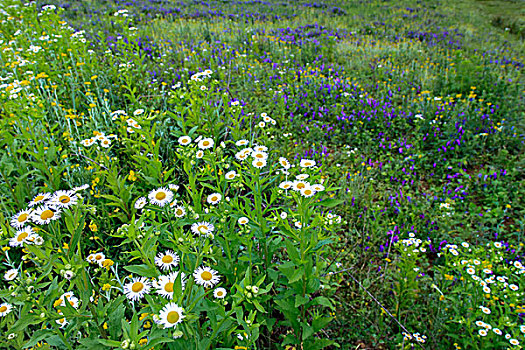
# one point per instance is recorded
(261, 175)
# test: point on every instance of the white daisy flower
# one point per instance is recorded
(199, 154)
(81, 188)
(514, 341)
(286, 185)
(206, 143)
(45, 214)
(298, 185)
(21, 237)
(284, 163)
(88, 142)
(98, 258)
(11, 274)
(39, 199)
(167, 260)
(140, 203)
(206, 277)
(179, 211)
(307, 192)
(202, 228)
(259, 155)
(318, 187)
(243, 220)
(171, 315)
(240, 156)
(64, 199)
(242, 142)
(302, 176)
(173, 187)
(307, 163)
(137, 288)
(5, 308)
(105, 142)
(259, 163)
(164, 287)
(21, 218)
(160, 196)
(497, 331)
(184, 140)
(214, 198)
(247, 151)
(230, 175)
(485, 310)
(62, 322)
(219, 293)
(166, 283)
(260, 148)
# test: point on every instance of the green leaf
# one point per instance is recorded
(293, 253)
(320, 323)
(297, 275)
(307, 331)
(142, 270)
(330, 203)
(38, 336)
(109, 342)
(259, 306)
(300, 300)
(22, 323)
(324, 301)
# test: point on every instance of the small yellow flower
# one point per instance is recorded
(106, 286)
(93, 227)
(132, 176)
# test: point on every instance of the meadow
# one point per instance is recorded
(262, 174)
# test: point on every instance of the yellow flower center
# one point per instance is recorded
(259, 163)
(214, 198)
(160, 196)
(167, 259)
(206, 275)
(173, 317)
(38, 198)
(178, 212)
(22, 236)
(98, 257)
(3, 308)
(169, 287)
(23, 217)
(307, 192)
(260, 156)
(64, 199)
(206, 143)
(202, 229)
(47, 214)
(220, 293)
(137, 287)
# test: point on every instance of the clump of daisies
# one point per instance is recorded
(43, 209)
(491, 272)
(103, 140)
